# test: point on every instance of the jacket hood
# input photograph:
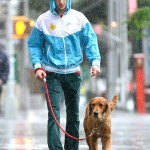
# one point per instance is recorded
(53, 5)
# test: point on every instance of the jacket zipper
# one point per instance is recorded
(48, 52)
(65, 55)
(64, 46)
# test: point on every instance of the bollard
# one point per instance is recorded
(139, 80)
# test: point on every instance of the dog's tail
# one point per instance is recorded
(113, 102)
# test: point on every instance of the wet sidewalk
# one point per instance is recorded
(130, 131)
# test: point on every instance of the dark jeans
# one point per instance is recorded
(70, 85)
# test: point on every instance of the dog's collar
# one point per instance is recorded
(99, 125)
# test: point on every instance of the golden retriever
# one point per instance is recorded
(97, 122)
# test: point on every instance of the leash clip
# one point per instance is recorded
(93, 131)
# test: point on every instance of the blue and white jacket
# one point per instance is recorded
(57, 43)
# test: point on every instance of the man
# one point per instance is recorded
(4, 71)
(55, 47)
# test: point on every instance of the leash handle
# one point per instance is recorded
(44, 79)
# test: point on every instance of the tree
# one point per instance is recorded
(143, 3)
(136, 24)
(97, 14)
(139, 21)
(94, 10)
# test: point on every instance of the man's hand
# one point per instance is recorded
(95, 71)
(40, 74)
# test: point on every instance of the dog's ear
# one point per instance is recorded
(113, 102)
(108, 110)
(89, 108)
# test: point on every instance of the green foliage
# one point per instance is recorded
(95, 15)
(143, 3)
(139, 21)
(37, 7)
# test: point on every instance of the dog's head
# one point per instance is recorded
(99, 105)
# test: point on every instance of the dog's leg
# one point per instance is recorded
(106, 143)
(87, 133)
(88, 142)
(94, 143)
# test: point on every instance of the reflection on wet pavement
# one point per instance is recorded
(28, 132)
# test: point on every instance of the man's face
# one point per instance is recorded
(61, 4)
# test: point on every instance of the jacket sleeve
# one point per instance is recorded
(90, 43)
(35, 45)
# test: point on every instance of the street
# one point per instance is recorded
(130, 131)
(113, 37)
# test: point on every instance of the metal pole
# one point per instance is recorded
(11, 102)
(117, 56)
(24, 61)
(110, 80)
(124, 52)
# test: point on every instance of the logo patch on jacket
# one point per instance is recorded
(52, 26)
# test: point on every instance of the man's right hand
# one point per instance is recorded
(40, 74)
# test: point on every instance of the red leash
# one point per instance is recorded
(53, 115)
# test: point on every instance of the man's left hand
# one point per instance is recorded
(95, 71)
